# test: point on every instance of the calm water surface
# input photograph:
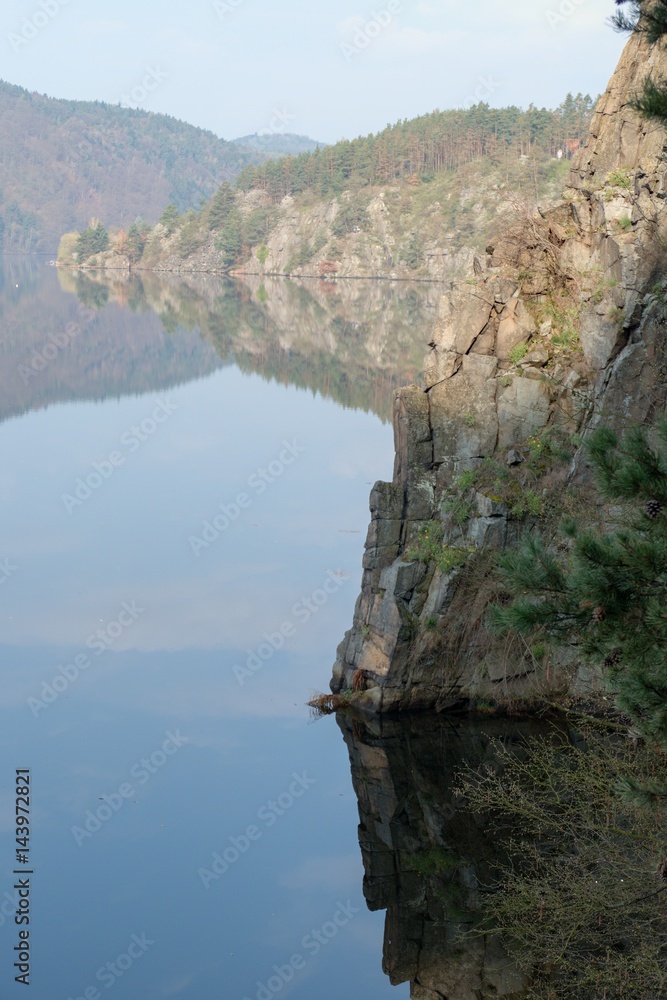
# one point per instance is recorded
(184, 487)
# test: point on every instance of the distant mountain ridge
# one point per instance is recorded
(63, 162)
(276, 145)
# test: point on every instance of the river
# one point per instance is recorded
(185, 480)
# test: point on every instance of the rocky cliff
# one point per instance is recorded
(565, 326)
(405, 229)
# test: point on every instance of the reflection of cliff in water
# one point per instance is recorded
(426, 860)
(351, 341)
(53, 349)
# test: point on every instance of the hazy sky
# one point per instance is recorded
(317, 67)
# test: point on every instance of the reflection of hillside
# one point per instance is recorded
(425, 858)
(353, 341)
(117, 351)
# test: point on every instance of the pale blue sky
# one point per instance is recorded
(299, 66)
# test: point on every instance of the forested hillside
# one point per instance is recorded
(63, 162)
(416, 200)
(425, 146)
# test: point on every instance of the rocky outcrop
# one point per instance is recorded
(426, 857)
(565, 327)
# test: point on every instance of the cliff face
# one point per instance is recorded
(417, 229)
(564, 327)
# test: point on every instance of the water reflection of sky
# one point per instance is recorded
(172, 670)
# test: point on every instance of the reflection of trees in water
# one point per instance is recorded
(353, 342)
(562, 862)
(425, 858)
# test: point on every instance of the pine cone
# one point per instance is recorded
(613, 658)
(653, 510)
(599, 614)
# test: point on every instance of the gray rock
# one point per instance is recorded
(537, 358)
(523, 408)
(516, 327)
(463, 314)
(412, 434)
(490, 507)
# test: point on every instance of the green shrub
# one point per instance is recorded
(429, 548)
(518, 353)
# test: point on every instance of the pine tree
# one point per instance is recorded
(608, 596)
(647, 17)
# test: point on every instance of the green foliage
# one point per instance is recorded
(624, 222)
(170, 219)
(257, 225)
(564, 316)
(93, 240)
(191, 236)
(137, 235)
(351, 217)
(413, 254)
(300, 258)
(518, 353)
(220, 207)
(598, 294)
(435, 861)
(647, 17)
(423, 148)
(580, 905)
(229, 243)
(429, 548)
(90, 293)
(263, 254)
(620, 178)
(608, 596)
(528, 504)
(132, 160)
(466, 480)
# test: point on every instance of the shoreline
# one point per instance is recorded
(328, 279)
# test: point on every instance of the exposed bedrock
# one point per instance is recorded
(566, 327)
